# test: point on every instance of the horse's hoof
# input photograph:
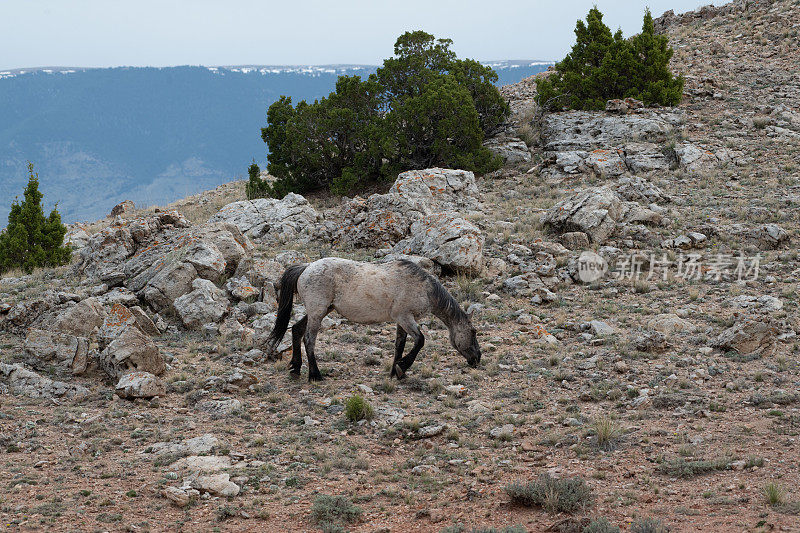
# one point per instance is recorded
(294, 372)
(398, 372)
(314, 377)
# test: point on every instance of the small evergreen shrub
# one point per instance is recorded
(32, 240)
(603, 66)
(256, 187)
(357, 408)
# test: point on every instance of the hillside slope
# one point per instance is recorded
(634, 280)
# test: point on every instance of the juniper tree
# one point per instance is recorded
(655, 84)
(255, 187)
(32, 240)
(423, 107)
(602, 66)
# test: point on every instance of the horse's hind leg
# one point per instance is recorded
(409, 325)
(310, 338)
(399, 346)
(297, 336)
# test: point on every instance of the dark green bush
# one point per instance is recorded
(603, 66)
(256, 187)
(423, 107)
(357, 408)
(32, 240)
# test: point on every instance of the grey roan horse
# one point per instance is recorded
(367, 293)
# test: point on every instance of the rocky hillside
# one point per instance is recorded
(633, 274)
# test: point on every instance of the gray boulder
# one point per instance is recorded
(750, 337)
(289, 219)
(158, 256)
(82, 318)
(140, 385)
(61, 349)
(125, 347)
(205, 303)
(598, 211)
(385, 219)
(593, 211)
(131, 350)
(669, 323)
(448, 240)
(512, 150)
(22, 381)
(216, 484)
(586, 130)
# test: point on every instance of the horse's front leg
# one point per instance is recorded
(399, 346)
(399, 368)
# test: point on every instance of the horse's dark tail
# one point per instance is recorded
(288, 286)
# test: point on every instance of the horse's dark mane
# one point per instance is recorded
(445, 304)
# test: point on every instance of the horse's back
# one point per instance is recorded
(362, 292)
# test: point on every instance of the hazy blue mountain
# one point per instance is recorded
(151, 135)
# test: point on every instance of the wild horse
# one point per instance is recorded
(367, 293)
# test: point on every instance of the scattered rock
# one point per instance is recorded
(140, 385)
(121, 208)
(289, 219)
(750, 337)
(761, 303)
(669, 323)
(511, 150)
(206, 303)
(504, 431)
(22, 381)
(217, 484)
(66, 351)
(219, 408)
(430, 431)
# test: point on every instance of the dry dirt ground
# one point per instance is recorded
(714, 434)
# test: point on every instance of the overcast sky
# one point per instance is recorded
(101, 33)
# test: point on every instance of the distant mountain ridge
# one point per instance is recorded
(313, 70)
(150, 134)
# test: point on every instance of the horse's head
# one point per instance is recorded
(465, 340)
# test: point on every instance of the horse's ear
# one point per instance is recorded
(469, 311)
